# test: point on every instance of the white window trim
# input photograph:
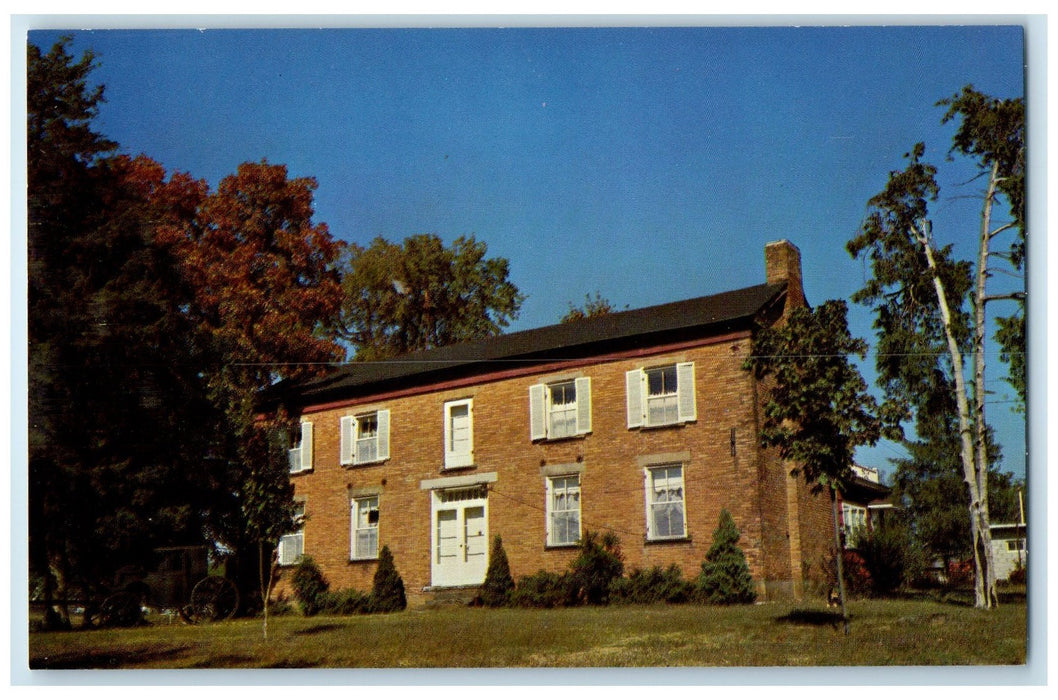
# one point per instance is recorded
(540, 409)
(354, 513)
(300, 455)
(549, 487)
(458, 459)
(637, 395)
(350, 430)
(295, 540)
(648, 488)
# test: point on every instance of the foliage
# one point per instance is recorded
(725, 578)
(346, 601)
(887, 554)
(387, 591)
(421, 294)
(817, 410)
(599, 306)
(116, 395)
(857, 577)
(597, 566)
(496, 591)
(931, 308)
(653, 585)
(545, 589)
(1018, 576)
(310, 586)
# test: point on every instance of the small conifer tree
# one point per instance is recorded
(310, 586)
(387, 593)
(725, 578)
(496, 591)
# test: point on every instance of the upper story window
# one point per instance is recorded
(365, 438)
(666, 515)
(292, 544)
(459, 433)
(561, 409)
(300, 455)
(662, 395)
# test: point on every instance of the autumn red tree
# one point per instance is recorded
(266, 289)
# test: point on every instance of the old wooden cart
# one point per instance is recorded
(179, 584)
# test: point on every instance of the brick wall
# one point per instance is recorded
(723, 468)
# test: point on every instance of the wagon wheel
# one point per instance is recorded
(212, 598)
(122, 609)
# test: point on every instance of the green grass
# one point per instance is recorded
(883, 632)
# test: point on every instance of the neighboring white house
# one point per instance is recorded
(1009, 549)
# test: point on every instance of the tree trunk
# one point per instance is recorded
(840, 559)
(971, 470)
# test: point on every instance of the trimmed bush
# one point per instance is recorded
(597, 566)
(653, 585)
(886, 557)
(544, 589)
(387, 593)
(725, 578)
(310, 586)
(496, 591)
(347, 601)
(1017, 576)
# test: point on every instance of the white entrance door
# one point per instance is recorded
(460, 538)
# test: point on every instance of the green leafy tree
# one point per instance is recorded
(116, 395)
(816, 406)
(599, 306)
(422, 294)
(725, 577)
(496, 591)
(931, 308)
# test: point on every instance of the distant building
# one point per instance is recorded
(865, 503)
(1009, 548)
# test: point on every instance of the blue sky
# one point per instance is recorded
(648, 164)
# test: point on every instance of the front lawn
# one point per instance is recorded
(883, 633)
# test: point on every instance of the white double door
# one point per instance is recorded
(460, 537)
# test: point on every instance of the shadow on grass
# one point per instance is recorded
(817, 618)
(105, 659)
(316, 629)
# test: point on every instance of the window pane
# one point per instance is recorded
(666, 508)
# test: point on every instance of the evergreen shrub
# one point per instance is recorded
(310, 586)
(653, 585)
(387, 593)
(886, 556)
(496, 591)
(544, 589)
(725, 578)
(596, 567)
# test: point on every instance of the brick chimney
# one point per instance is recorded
(782, 263)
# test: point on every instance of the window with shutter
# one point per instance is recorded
(560, 409)
(292, 545)
(659, 396)
(365, 438)
(300, 456)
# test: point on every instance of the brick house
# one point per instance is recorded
(642, 422)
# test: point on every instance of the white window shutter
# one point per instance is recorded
(634, 397)
(686, 404)
(348, 439)
(537, 412)
(583, 385)
(306, 445)
(383, 434)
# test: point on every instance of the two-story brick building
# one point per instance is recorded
(642, 422)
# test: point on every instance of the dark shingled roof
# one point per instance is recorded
(613, 332)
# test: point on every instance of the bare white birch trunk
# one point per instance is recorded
(971, 472)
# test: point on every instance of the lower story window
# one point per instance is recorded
(365, 528)
(292, 544)
(563, 510)
(665, 503)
